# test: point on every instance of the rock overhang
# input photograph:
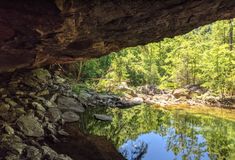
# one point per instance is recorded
(37, 33)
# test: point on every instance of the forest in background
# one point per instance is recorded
(204, 56)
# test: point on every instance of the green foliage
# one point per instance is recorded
(204, 56)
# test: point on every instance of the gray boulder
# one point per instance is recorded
(70, 104)
(30, 126)
(103, 117)
(70, 116)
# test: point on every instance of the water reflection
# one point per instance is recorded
(146, 133)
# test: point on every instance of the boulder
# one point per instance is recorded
(70, 116)
(181, 92)
(70, 104)
(103, 117)
(136, 101)
(30, 126)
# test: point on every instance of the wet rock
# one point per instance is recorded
(30, 126)
(33, 153)
(70, 116)
(70, 104)
(103, 117)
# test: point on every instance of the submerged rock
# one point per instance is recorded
(103, 117)
(70, 116)
(30, 126)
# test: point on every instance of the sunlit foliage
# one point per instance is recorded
(205, 56)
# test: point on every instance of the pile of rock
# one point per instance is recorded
(34, 106)
(106, 100)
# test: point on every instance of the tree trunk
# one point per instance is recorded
(231, 34)
(79, 72)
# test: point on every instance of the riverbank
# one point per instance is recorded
(36, 109)
(189, 96)
(39, 116)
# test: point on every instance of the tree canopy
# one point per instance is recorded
(204, 56)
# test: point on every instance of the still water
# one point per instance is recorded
(150, 133)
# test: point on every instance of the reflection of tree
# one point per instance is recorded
(183, 139)
(182, 130)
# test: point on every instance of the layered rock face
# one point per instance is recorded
(36, 33)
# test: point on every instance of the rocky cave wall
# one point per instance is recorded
(35, 33)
